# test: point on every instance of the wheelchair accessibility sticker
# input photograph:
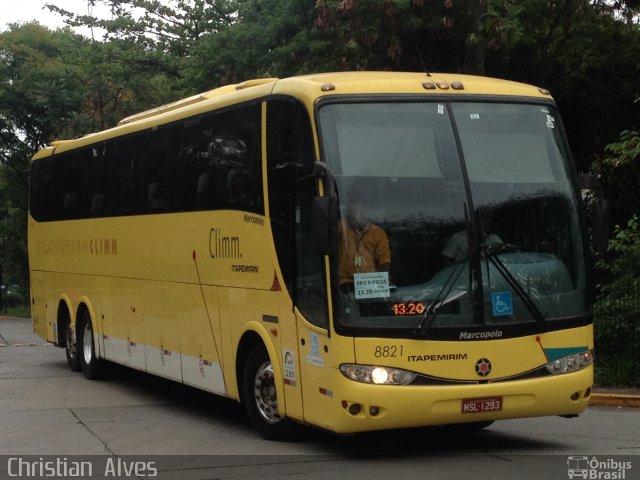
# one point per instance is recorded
(502, 304)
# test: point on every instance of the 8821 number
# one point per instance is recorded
(388, 351)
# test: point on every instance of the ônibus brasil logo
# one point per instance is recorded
(597, 469)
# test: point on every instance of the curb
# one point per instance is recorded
(619, 400)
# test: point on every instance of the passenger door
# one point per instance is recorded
(310, 299)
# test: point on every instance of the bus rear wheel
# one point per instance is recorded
(71, 349)
(89, 362)
(260, 399)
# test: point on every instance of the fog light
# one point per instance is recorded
(374, 411)
(355, 408)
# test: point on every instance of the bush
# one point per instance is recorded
(617, 309)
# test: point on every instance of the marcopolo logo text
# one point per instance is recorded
(481, 335)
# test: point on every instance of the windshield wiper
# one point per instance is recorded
(431, 312)
(513, 282)
(442, 298)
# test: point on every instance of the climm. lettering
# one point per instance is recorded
(223, 246)
(103, 246)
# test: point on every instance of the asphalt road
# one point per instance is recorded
(48, 413)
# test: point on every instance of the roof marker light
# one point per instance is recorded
(544, 91)
(457, 85)
(328, 87)
(442, 85)
(429, 85)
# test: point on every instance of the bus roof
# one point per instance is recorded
(404, 82)
(308, 88)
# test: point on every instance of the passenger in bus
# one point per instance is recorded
(458, 244)
(156, 198)
(203, 192)
(239, 189)
(363, 246)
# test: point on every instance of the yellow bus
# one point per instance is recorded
(354, 251)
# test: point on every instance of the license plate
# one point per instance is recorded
(480, 405)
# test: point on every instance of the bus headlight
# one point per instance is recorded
(376, 374)
(571, 363)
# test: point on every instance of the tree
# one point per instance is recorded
(619, 169)
(262, 42)
(617, 311)
(171, 26)
(56, 84)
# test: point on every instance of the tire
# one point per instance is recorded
(260, 401)
(89, 362)
(71, 348)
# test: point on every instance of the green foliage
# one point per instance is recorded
(625, 151)
(617, 371)
(265, 41)
(619, 169)
(172, 27)
(36, 92)
(56, 84)
(617, 310)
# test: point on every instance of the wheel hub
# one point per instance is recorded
(264, 390)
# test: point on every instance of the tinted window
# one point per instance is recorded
(220, 161)
(289, 157)
(208, 162)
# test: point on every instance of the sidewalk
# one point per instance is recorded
(615, 397)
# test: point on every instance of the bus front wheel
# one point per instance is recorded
(89, 363)
(260, 399)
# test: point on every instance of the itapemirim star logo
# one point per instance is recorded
(483, 367)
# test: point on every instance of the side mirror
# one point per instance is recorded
(324, 225)
(598, 209)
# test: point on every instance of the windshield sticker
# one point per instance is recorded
(502, 304)
(441, 109)
(371, 285)
(551, 122)
(474, 116)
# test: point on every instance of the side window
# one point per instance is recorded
(97, 186)
(70, 185)
(154, 154)
(60, 186)
(221, 154)
(40, 190)
(201, 185)
(289, 158)
(238, 150)
(120, 178)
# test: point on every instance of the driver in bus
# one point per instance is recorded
(363, 246)
(458, 244)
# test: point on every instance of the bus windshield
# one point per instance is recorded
(453, 214)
